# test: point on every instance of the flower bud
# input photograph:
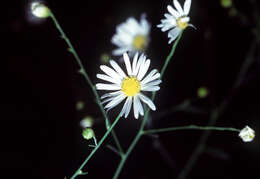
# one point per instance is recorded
(226, 3)
(247, 134)
(80, 105)
(202, 92)
(40, 10)
(88, 133)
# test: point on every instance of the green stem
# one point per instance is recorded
(141, 129)
(96, 148)
(125, 156)
(169, 57)
(215, 115)
(202, 141)
(247, 63)
(192, 127)
(84, 73)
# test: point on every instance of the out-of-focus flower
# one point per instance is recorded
(131, 36)
(86, 122)
(202, 92)
(226, 3)
(104, 58)
(247, 134)
(80, 105)
(129, 86)
(40, 10)
(88, 133)
(177, 20)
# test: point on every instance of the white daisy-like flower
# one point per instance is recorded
(129, 86)
(247, 134)
(176, 20)
(131, 36)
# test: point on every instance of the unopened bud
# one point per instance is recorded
(247, 134)
(88, 133)
(202, 92)
(40, 10)
(80, 105)
(226, 3)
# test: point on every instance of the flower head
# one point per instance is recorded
(247, 134)
(131, 36)
(177, 20)
(129, 86)
(40, 10)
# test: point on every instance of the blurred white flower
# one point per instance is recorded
(177, 20)
(87, 122)
(40, 10)
(247, 134)
(131, 36)
(129, 86)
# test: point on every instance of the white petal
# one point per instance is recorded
(116, 100)
(108, 78)
(153, 83)
(102, 86)
(147, 101)
(110, 94)
(187, 5)
(127, 64)
(178, 7)
(143, 69)
(185, 19)
(110, 72)
(145, 26)
(173, 34)
(150, 77)
(117, 68)
(120, 51)
(173, 12)
(127, 107)
(150, 88)
(135, 62)
(136, 107)
(107, 100)
(140, 62)
(139, 105)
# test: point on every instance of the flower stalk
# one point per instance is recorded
(191, 127)
(141, 129)
(96, 148)
(84, 73)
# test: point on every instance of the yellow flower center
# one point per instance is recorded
(182, 25)
(139, 42)
(130, 86)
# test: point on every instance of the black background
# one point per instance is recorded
(40, 132)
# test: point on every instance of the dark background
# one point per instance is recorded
(40, 132)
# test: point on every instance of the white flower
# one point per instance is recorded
(247, 134)
(177, 20)
(86, 122)
(131, 36)
(129, 86)
(40, 10)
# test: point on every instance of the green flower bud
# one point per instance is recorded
(226, 3)
(88, 133)
(105, 58)
(80, 105)
(202, 92)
